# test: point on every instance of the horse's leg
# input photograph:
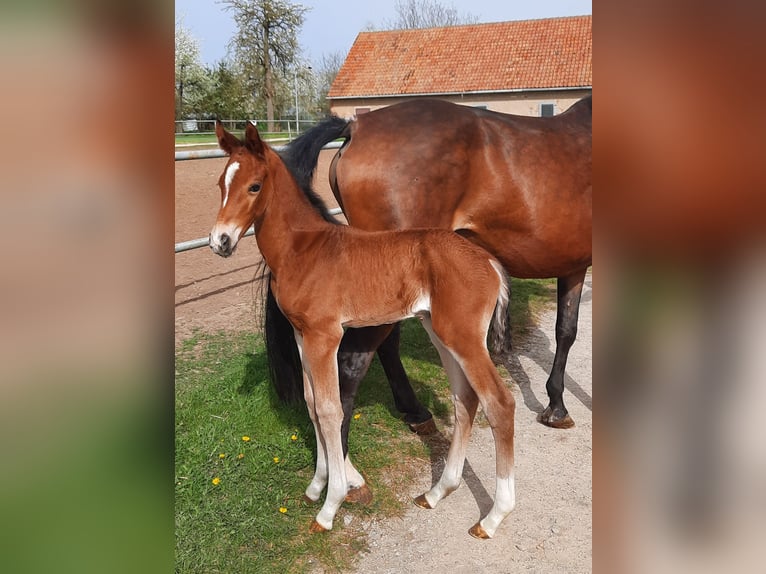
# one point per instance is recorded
(319, 351)
(465, 402)
(467, 343)
(354, 357)
(569, 290)
(418, 417)
(499, 406)
(319, 481)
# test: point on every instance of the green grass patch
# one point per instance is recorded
(209, 138)
(238, 503)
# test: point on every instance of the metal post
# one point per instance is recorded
(295, 79)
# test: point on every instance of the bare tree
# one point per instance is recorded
(329, 67)
(266, 40)
(426, 14)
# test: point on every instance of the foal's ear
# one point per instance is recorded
(226, 141)
(253, 140)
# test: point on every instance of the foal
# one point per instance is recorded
(452, 285)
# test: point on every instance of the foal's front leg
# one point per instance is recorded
(319, 353)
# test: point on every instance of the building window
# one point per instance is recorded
(547, 110)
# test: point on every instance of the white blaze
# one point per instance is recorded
(230, 171)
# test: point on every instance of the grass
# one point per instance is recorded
(223, 395)
(209, 138)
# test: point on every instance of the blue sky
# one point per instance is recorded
(332, 25)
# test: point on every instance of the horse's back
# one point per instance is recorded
(518, 186)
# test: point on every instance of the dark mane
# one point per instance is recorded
(302, 154)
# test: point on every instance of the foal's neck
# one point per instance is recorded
(288, 217)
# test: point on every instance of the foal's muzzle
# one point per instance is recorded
(221, 244)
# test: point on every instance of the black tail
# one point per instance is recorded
(302, 154)
(301, 157)
(282, 353)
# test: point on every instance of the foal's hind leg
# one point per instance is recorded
(569, 290)
(468, 346)
(466, 403)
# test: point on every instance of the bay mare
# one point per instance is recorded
(518, 186)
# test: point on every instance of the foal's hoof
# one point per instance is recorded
(478, 532)
(555, 420)
(316, 528)
(424, 428)
(307, 500)
(422, 502)
(361, 495)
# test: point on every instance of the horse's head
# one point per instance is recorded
(240, 183)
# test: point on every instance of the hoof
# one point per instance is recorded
(308, 501)
(478, 532)
(316, 528)
(422, 502)
(424, 428)
(550, 419)
(361, 495)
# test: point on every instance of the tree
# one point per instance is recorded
(228, 96)
(189, 73)
(266, 42)
(329, 67)
(426, 14)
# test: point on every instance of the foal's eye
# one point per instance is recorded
(255, 188)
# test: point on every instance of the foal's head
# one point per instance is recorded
(241, 184)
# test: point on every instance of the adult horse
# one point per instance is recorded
(518, 186)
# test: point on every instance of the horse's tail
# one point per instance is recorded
(282, 353)
(301, 156)
(497, 331)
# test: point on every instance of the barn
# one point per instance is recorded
(530, 67)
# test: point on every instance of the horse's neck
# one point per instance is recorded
(287, 217)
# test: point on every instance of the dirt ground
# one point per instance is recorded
(550, 528)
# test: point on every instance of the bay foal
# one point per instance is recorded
(454, 287)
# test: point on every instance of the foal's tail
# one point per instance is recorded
(301, 157)
(497, 329)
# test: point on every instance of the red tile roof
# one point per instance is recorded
(528, 54)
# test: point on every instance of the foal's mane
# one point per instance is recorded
(301, 156)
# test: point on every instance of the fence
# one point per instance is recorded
(282, 127)
(210, 153)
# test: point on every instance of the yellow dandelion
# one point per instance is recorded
(216, 481)
(240, 456)
(294, 437)
(276, 459)
(246, 438)
(357, 416)
(283, 510)
(222, 455)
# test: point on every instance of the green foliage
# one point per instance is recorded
(228, 95)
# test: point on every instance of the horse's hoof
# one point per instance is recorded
(424, 428)
(316, 528)
(422, 502)
(308, 501)
(361, 495)
(478, 532)
(550, 419)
